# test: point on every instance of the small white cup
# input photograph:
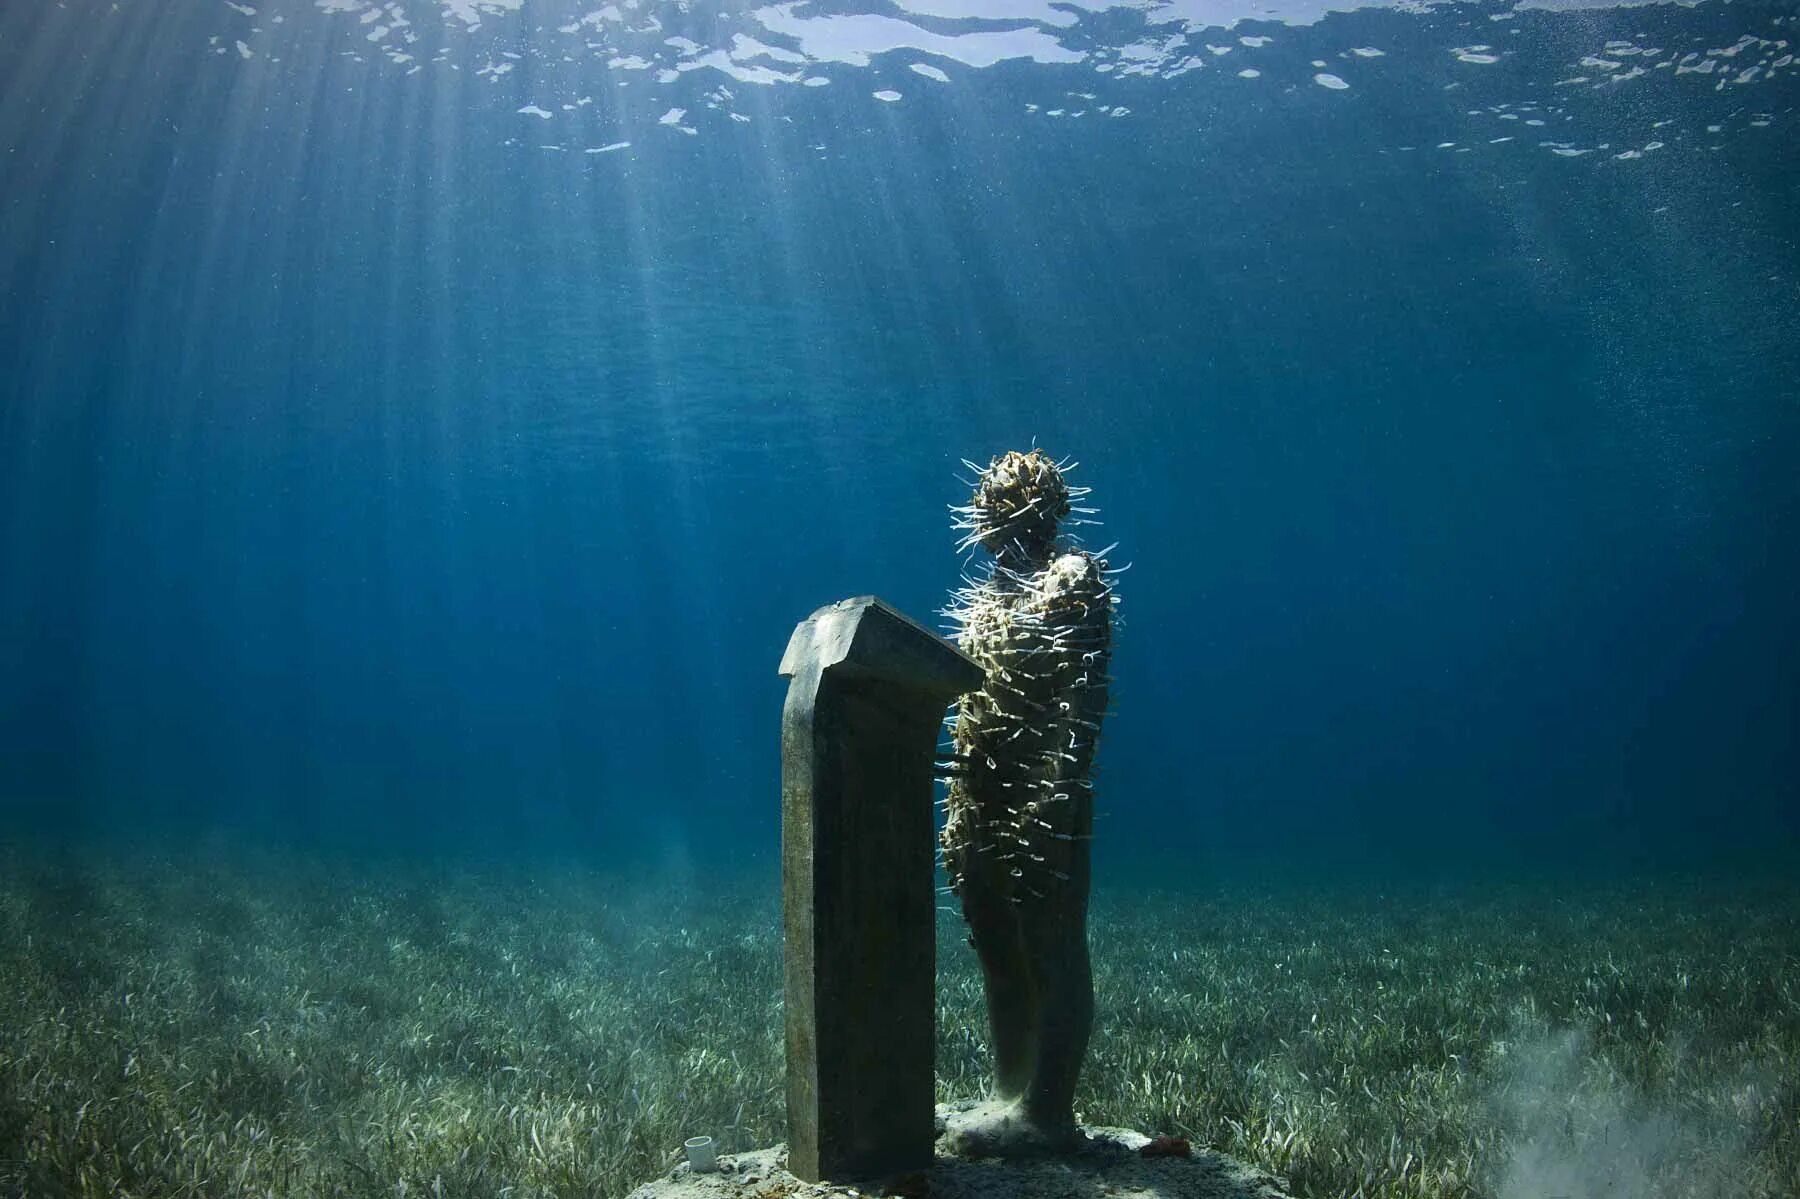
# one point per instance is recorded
(702, 1154)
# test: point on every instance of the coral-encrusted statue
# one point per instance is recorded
(1020, 807)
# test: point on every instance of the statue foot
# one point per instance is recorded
(1001, 1128)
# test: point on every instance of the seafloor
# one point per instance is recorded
(250, 1024)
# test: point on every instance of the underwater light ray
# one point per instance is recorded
(97, 432)
(56, 81)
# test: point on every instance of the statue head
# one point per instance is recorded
(1018, 506)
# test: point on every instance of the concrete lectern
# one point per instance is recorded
(859, 733)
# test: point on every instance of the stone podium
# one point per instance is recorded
(859, 733)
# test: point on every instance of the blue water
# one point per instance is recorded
(387, 462)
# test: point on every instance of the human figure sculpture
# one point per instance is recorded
(1020, 805)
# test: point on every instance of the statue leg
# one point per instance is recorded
(1055, 940)
(1039, 987)
(1006, 979)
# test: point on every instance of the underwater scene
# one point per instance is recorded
(1349, 449)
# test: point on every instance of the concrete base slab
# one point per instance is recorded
(1108, 1164)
